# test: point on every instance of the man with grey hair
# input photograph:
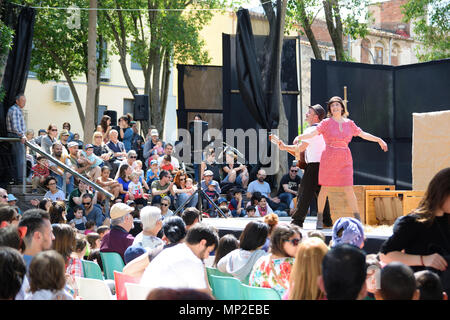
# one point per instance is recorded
(15, 125)
(118, 149)
(118, 238)
(130, 160)
(151, 219)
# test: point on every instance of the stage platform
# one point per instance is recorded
(374, 236)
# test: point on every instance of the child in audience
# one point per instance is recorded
(166, 163)
(102, 230)
(94, 240)
(139, 170)
(373, 275)
(136, 190)
(107, 183)
(190, 185)
(397, 282)
(226, 244)
(40, 173)
(90, 227)
(237, 204)
(153, 172)
(46, 277)
(92, 160)
(81, 246)
(251, 212)
(79, 222)
(158, 149)
(263, 207)
(430, 286)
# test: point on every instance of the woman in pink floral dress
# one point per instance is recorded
(336, 163)
(273, 270)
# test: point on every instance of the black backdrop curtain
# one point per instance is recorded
(15, 78)
(249, 74)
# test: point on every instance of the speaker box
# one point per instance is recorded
(141, 108)
(113, 115)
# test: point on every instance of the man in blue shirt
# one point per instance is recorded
(264, 188)
(15, 125)
(92, 211)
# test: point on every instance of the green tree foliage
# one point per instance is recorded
(6, 38)
(431, 20)
(154, 38)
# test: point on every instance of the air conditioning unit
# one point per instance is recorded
(63, 94)
(105, 75)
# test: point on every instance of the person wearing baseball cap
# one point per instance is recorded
(150, 144)
(119, 239)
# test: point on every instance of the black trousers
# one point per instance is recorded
(309, 189)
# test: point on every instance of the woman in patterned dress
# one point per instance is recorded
(336, 163)
(273, 270)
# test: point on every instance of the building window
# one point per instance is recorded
(379, 53)
(128, 106)
(100, 110)
(134, 65)
(330, 56)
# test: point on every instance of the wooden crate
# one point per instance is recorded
(410, 200)
(338, 201)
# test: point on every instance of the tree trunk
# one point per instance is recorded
(89, 125)
(310, 34)
(155, 101)
(334, 25)
(99, 71)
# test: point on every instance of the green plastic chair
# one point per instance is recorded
(112, 261)
(92, 270)
(226, 288)
(258, 293)
(214, 271)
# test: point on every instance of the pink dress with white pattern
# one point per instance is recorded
(336, 163)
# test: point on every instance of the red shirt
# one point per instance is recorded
(39, 171)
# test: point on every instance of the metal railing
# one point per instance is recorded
(37, 149)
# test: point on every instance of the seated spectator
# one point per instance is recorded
(101, 150)
(226, 244)
(272, 221)
(51, 137)
(93, 240)
(65, 243)
(130, 161)
(181, 266)
(166, 163)
(141, 174)
(236, 205)
(174, 231)
(90, 227)
(133, 252)
(67, 126)
(397, 282)
(57, 212)
(259, 185)
(209, 164)
(136, 190)
(94, 256)
(263, 207)
(76, 198)
(119, 239)
(9, 216)
(151, 224)
(168, 150)
(3, 196)
(12, 236)
(40, 173)
(289, 184)
(81, 247)
(162, 187)
(190, 216)
(102, 231)
(254, 199)
(53, 193)
(104, 127)
(429, 285)
(58, 172)
(344, 273)
(239, 263)
(118, 150)
(13, 273)
(64, 139)
(183, 189)
(373, 266)
(107, 183)
(150, 147)
(152, 172)
(92, 211)
(208, 180)
(273, 270)
(306, 270)
(413, 233)
(47, 277)
(348, 230)
(124, 180)
(95, 163)
(234, 171)
(78, 163)
(164, 206)
(250, 212)
(76, 138)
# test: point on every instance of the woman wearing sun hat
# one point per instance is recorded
(336, 163)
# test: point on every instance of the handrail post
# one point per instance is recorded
(24, 171)
(64, 182)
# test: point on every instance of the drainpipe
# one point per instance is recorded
(390, 50)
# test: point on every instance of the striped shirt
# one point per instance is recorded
(15, 122)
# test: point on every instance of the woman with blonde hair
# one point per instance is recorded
(303, 284)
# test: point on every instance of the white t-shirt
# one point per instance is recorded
(174, 161)
(59, 195)
(175, 267)
(316, 145)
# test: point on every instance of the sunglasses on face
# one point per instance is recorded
(133, 157)
(52, 183)
(182, 179)
(86, 203)
(165, 204)
(294, 242)
(294, 171)
(54, 130)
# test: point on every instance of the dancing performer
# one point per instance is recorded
(309, 186)
(336, 163)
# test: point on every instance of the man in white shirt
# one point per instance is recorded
(309, 186)
(181, 266)
(168, 149)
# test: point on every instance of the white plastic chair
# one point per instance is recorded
(136, 291)
(93, 289)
